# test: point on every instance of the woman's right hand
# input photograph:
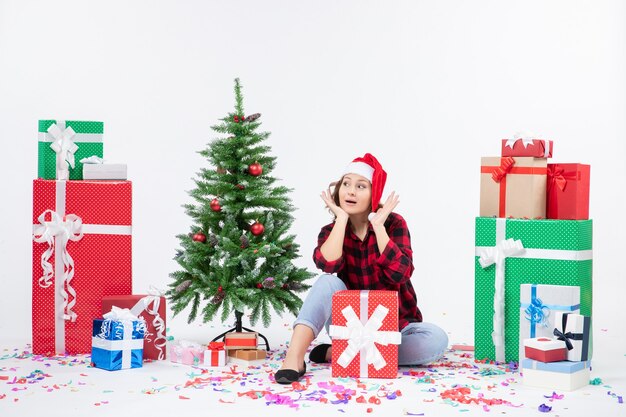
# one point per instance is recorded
(330, 203)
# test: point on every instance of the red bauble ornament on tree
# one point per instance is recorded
(257, 228)
(199, 237)
(259, 285)
(241, 187)
(255, 169)
(220, 289)
(215, 205)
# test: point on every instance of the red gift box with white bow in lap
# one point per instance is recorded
(365, 334)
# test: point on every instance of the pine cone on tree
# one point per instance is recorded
(245, 242)
(294, 286)
(213, 240)
(218, 297)
(253, 117)
(269, 283)
(182, 286)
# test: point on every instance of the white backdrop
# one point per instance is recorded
(428, 87)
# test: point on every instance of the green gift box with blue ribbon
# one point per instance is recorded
(63, 143)
(512, 252)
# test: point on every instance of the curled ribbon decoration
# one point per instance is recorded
(63, 146)
(497, 255)
(58, 232)
(216, 346)
(500, 172)
(525, 138)
(154, 300)
(537, 312)
(362, 337)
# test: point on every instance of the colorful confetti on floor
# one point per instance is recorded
(455, 384)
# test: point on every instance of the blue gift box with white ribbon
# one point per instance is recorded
(117, 343)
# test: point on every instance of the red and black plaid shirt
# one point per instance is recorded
(363, 267)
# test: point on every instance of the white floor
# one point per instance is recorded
(70, 387)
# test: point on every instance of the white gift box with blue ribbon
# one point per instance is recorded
(117, 341)
(538, 307)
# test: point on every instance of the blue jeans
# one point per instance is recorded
(422, 343)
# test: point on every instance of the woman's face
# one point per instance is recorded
(355, 194)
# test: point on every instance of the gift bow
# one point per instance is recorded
(216, 346)
(500, 172)
(120, 314)
(568, 336)
(565, 337)
(497, 255)
(537, 312)
(525, 138)
(63, 229)
(362, 337)
(63, 144)
(557, 176)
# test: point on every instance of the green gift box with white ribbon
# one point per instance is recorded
(63, 143)
(511, 252)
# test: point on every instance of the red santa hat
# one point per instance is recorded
(369, 167)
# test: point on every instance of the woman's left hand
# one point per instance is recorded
(380, 217)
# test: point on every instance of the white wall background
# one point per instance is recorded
(427, 86)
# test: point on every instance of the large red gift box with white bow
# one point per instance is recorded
(365, 334)
(82, 251)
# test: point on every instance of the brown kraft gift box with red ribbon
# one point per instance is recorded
(151, 308)
(513, 187)
(82, 251)
(240, 340)
(568, 191)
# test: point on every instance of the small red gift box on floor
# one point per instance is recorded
(544, 349)
(365, 334)
(215, 355)
(538, 148)
(151, 308)
(568, 192)
(82, 251)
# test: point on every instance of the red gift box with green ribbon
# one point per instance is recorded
(568, 191)
(82, 251)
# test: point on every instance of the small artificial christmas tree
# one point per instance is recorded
(238, 254)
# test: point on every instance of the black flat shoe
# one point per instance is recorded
(287, 376)
(318, 354)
